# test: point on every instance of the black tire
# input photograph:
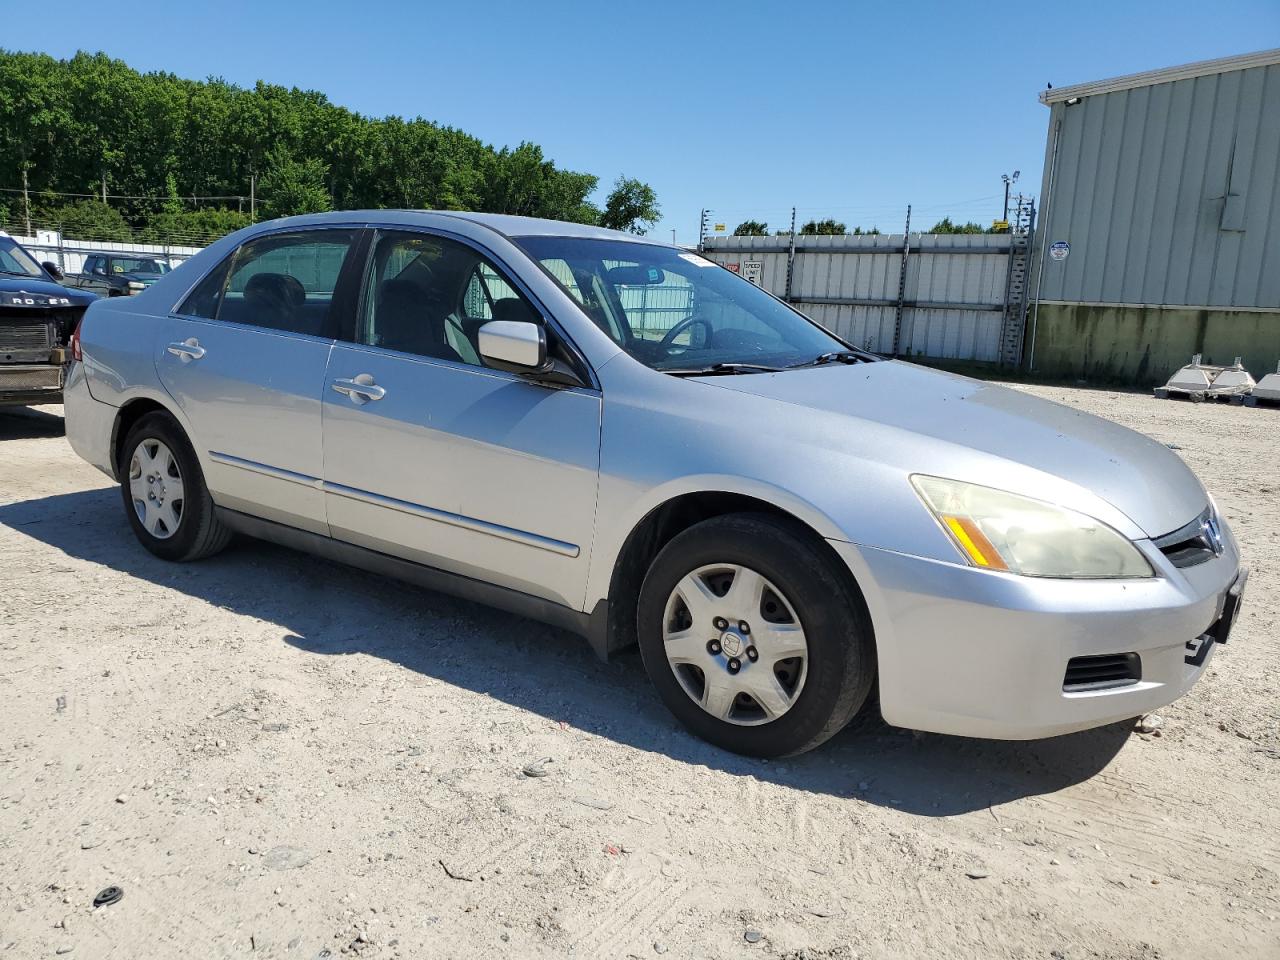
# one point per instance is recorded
(841, 644)
(200, 533)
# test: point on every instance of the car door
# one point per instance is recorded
(244, 358)
(93, 275)
(433, 457)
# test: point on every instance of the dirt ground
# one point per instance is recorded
(278, 756)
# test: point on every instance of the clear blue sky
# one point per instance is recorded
(844, 109)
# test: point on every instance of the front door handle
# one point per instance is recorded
(359, 389)
(187, 350)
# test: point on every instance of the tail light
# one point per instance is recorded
(74, 342)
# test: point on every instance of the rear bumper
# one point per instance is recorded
(981, 654)
(31, 383)
(89, 422)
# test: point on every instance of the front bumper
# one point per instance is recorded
(31, 383)
(983, 654)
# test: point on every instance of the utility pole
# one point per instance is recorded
(1008, 182)
(253, 196)
(791, 255)
(26, 200)
(702, 226)
(902, 283)
(673, 236)
(104, 188)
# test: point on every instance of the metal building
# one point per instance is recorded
(1159, 225)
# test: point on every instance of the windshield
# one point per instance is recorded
(677, 311)
(15, 260)
(135, 265)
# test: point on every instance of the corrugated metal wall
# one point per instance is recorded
(1151, 185)
(953, 297)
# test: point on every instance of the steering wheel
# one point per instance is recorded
(690, 321)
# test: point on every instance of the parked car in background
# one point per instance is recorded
(38, 317)
(623, 438)
(118, 274)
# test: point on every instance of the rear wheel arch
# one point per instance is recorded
(614, 626)
(129, 414)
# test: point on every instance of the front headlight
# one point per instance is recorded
(137, 285)
(1004, 531)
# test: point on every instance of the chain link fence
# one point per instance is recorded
(67, 246)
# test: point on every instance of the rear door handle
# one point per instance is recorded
(360, 389)
(187, 350)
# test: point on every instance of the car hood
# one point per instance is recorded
(41, 290)
(1136, 475)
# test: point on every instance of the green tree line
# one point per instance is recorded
(830, 227)
(184, 156)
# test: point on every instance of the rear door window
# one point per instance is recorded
(286, 282)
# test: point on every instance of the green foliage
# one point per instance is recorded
(631, 206)
(752, 228)
(859, 232)
(291, 187)
(73, 124)
(84, 219)
(826, 227)
(193, 226)
(946, 226)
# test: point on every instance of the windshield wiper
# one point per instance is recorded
(723, 369)
(24, 276)
(838, 356)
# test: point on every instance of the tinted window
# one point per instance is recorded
(286, 281)
(204, 300)
(429, 296)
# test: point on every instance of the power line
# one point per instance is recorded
(122, 196)
(867, 210)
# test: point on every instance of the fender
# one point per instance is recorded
(611, 536)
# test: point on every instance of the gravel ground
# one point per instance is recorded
(276, 755)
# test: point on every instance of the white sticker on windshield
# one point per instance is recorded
(697, 261)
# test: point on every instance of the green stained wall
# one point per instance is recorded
(1143, 345)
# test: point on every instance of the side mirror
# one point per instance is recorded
(54, 270)
(514, 345)
(519, 346)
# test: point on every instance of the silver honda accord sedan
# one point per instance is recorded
(622, 438)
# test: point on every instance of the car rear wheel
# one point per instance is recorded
(754, 638)
(165, 497)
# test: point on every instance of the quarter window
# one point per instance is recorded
(205, 299)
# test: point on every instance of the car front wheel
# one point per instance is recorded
(753, 637)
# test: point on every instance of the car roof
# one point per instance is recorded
(505, 224)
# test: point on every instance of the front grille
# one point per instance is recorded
(1102, 672)
(1199, 541)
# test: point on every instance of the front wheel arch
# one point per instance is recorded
(614, 626)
